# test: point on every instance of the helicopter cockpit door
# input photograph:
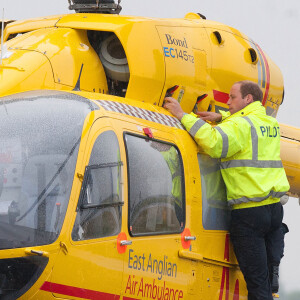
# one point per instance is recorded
(90, 263)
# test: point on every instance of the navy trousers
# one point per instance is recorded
(257, 235)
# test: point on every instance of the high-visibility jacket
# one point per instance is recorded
(172, 159)
(248, 143)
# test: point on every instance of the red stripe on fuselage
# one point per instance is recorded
(268, 76)
(77, 292)
(220, 96)
(225, 273)
(236, 295)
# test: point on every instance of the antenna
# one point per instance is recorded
(2, 33)
(77, 86)
(95, 6)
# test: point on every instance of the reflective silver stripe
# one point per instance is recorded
(256, 199)
(254, 162)
(254, 138)
(208, 170)
(176, 174)
(251, 163)
(225, 142)
(196, 127)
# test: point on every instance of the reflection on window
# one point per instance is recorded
(156, 190)
(38, 154)
(99, 207)
(215, 211)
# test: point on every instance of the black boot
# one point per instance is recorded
(274, 278)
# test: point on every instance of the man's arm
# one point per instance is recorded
(209, 116)
(174, 108)
(213, 140)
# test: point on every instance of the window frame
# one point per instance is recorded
(94, 133)
(80, 205)
(128, 184)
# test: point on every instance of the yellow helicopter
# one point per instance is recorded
(103, 195)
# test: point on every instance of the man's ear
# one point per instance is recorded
(249, 99)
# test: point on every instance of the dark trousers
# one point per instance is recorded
(257, 236)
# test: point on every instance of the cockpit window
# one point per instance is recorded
(156, 187)
(39, 141)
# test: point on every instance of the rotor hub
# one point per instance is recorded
(95, 6)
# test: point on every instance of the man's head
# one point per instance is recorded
(243, 93)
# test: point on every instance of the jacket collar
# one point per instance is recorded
(255, 106)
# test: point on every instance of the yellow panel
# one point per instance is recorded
(200, 67)
(51, 59)
(290, 155)
(29, 25)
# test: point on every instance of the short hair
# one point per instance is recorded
(249, 87)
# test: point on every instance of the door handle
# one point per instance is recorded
(125, 243)
(29, 251)
(190, 238)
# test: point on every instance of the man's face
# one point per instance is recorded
(235, 101)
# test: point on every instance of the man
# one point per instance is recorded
(170, 155)
(248, 143)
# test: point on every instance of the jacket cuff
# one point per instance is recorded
(225, 114)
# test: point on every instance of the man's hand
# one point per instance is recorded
(173, 107)
(209, 116)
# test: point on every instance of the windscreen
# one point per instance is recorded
(39, 139)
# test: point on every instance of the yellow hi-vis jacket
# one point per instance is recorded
(171, 158)
(248, 143)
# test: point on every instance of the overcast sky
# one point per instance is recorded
(273, 24)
